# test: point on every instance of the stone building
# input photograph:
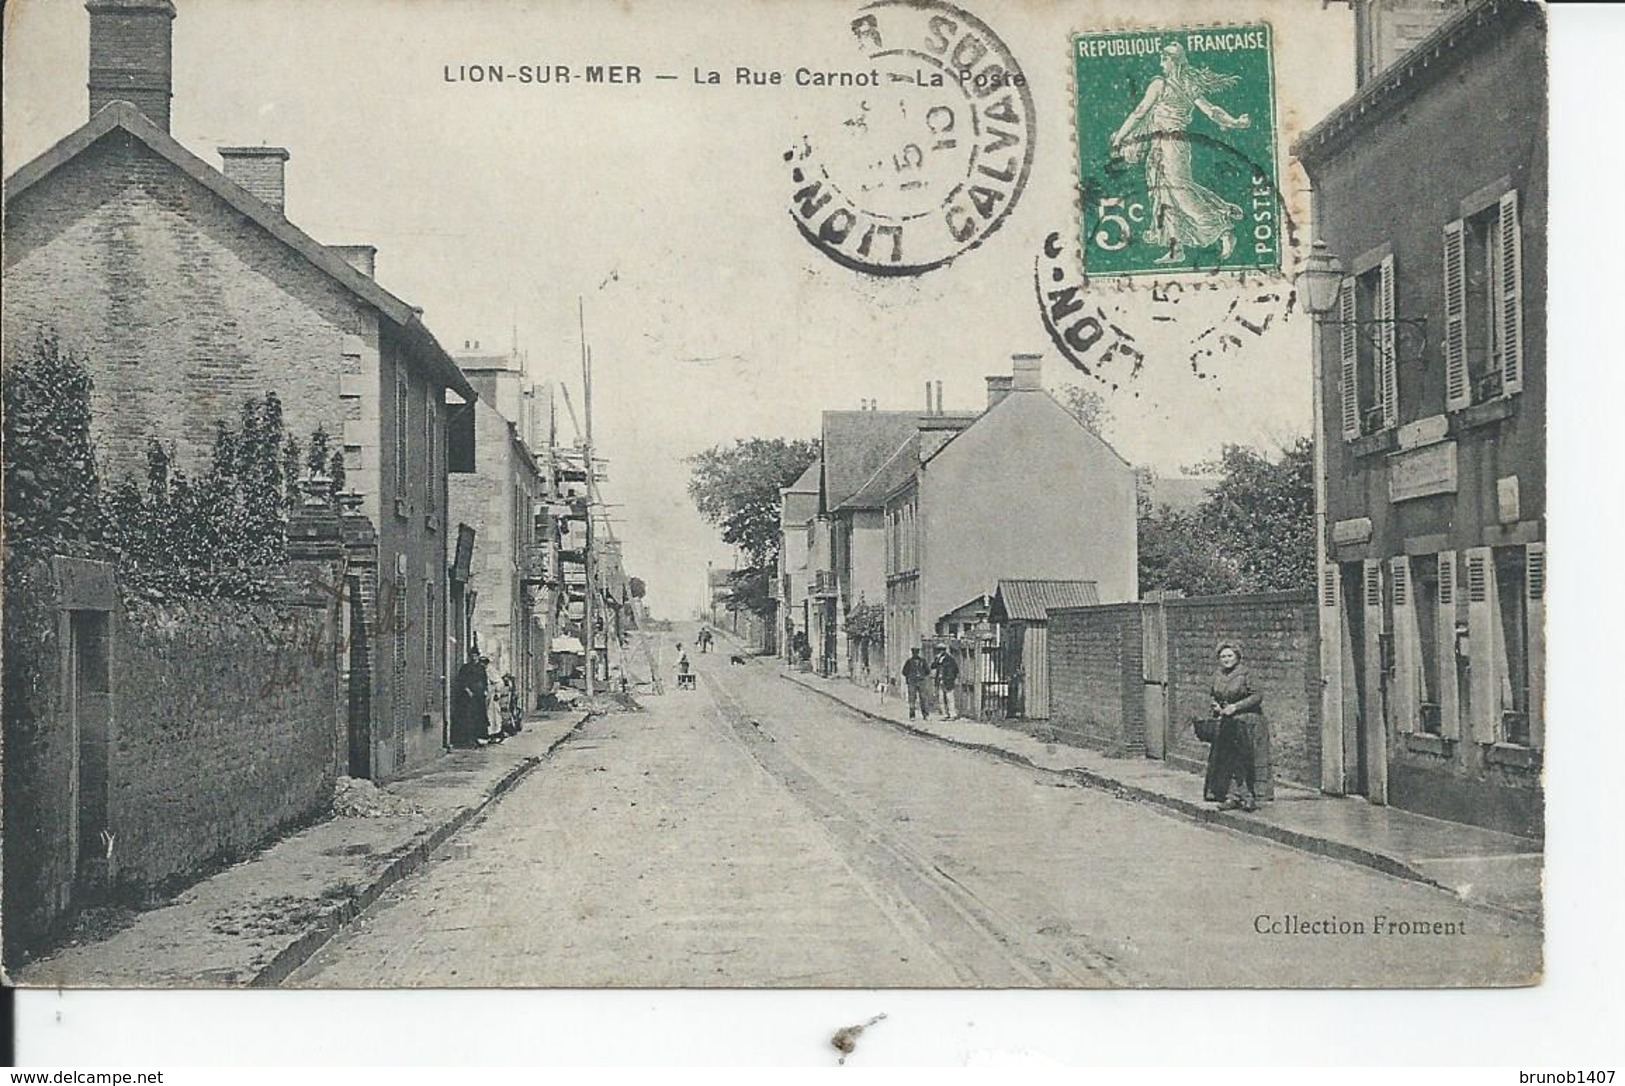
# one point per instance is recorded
(513, 585)
(189, 291)
(1023, 491)
(1430, 189)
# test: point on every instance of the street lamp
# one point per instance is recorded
(1319, 284)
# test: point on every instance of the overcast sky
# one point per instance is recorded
(665, 206)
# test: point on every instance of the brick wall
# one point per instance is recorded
(222, 730)
(1278, 633)
(220, 733)
(1096, 678)
(1097, 691)
(183, 307)
(38, 757)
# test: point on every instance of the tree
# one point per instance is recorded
(51, 484)
(737, 488)
(1253, 533)
(636, 588)
(1087, 406)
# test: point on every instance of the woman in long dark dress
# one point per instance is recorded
(1232, 765)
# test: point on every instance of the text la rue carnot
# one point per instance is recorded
(741, 76)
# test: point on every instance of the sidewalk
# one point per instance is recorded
(1482, 867)
(254, 923)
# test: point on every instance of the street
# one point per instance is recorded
(751, 833)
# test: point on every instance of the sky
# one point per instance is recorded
(663, 207)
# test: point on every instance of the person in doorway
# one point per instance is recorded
(946, 669)
(513, 709)
(1232, 780)
(468, 719)
(915, 671)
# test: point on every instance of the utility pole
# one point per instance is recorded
(590, 612)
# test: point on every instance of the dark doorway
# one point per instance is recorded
(1356, 745)
(91, 711)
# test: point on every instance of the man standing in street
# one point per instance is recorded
(947, 672)
(915, 669)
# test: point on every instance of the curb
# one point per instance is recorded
(1295, 839)
(331, 922)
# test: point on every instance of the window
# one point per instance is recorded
(401, 392)
(1370, 380)
(1425, 599)
(1483, 335)
(1512, 589)
(430, 657)
(430, 451)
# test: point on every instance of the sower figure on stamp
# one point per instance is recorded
(915, 670)
(1182, 211)
(947, 672)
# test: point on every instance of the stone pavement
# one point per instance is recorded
(1493, 870)
(255, 922)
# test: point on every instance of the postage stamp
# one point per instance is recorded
(1176, 149)
(935, 152)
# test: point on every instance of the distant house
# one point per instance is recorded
(1022, 492)
(1019, 616)
(798, 505)
(189, 291)
(848, 543)
(514, 581)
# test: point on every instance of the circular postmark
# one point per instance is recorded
(933, 152)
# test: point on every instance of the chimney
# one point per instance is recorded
(928, 410)
(363, 258)
(939, 397)
(1027, 372)
(998, 387)
(257, 169)
(130, 55)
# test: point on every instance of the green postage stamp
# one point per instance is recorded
(1176, 149)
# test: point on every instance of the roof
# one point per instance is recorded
(1181, 493)
(122, 116)
(1428, 61)
(898, 469)
(1031, 601)
(855, 444)
(807, 482)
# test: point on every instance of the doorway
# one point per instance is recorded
(89, 704)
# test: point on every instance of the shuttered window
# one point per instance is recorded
(1509, 301)
(1348, 354)
(1387, 357)
(1457, 384)
(1448, 675)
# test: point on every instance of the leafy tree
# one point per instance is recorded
(1253, 533)
(51, 483)
(737, 487)
(636, 588)
(866, 620)
(1087, 406)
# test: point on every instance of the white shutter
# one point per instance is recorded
(1483, 630)
(1458, 391)
(1449, 692)
(1388, 362)
(1349, 355)
(1331, 673)
(1535, 595)
(1509, 294)
(1407, 648)
(1373, 590)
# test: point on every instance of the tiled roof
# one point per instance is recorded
(123, 116)
(897, 470)
(855, 444)
(1030, 601)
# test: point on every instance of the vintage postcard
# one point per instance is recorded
(837, 494)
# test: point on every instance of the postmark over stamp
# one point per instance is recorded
(933, 149)
(1176, 150)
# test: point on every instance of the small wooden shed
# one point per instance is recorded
(1020, 612)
